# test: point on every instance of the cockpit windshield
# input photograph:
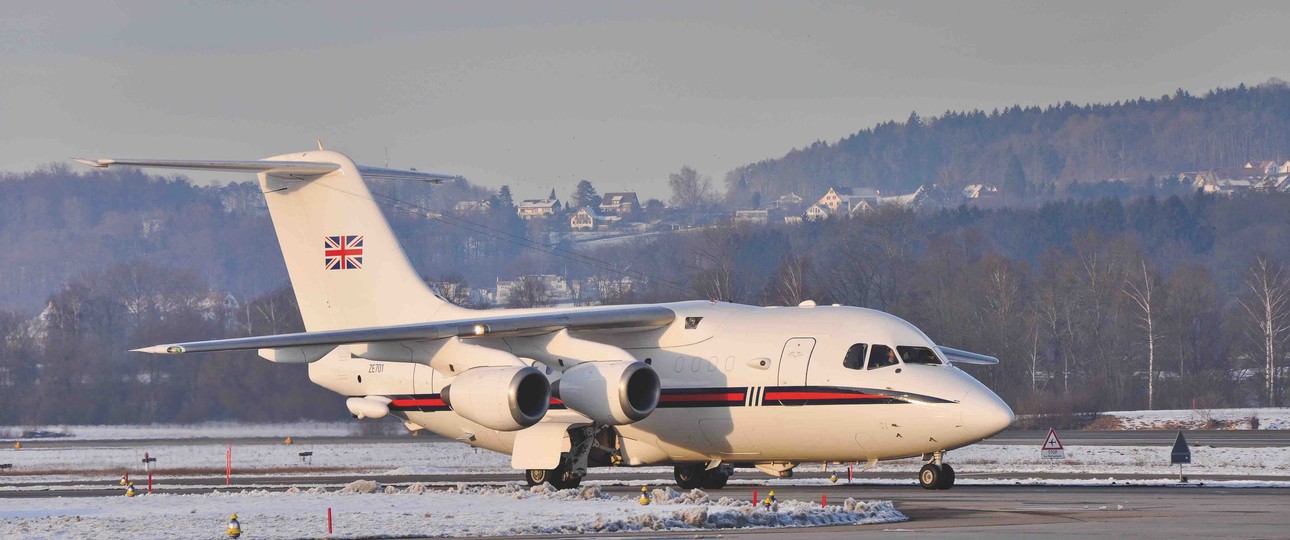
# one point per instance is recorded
(881, 356)
(918, 355)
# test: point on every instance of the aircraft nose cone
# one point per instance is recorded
(987, 414)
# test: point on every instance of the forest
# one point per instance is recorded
(1057, 147)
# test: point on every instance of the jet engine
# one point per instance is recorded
(505, 398)
(613, 393)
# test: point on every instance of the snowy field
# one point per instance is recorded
(1268, 418)
(365, 509)
(207, 430)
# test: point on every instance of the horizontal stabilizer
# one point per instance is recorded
(964, 357)
(257, 166)
(274, 168)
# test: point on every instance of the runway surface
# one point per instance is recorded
(1215, 438)
(967, 511)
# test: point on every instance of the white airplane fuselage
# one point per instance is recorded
(745, 384)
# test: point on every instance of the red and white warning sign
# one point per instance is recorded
(1052, 448)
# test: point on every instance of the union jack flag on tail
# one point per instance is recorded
(343, 252)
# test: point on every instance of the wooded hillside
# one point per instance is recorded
(1057, 145)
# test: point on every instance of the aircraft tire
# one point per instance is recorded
(690, 476)
(947, 477)
(929, 477)
(537, 477)
(715, 479)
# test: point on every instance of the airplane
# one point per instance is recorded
(703, 386)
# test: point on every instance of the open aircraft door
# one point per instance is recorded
(793, 363)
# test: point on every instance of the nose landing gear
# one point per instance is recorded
(936, 474)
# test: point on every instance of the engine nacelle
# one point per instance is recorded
(505, 398)
(613, 393)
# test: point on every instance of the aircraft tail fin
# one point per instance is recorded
(347, 268)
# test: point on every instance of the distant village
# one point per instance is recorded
(621, 215)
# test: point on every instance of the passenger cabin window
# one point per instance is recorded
(881, 356)
(855, 356)
(918, 355)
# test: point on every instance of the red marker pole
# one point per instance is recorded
(328, 520)
(849, 475)
(754, 497)
(228, 466)
(824, 500)
(150, 482)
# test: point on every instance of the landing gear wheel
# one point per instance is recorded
(930, 476)
(537, 477)
(559, 477)
(947, 477)
(716, 478)
(691, 476)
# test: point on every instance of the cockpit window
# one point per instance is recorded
(881, 356)
(855, 356)
(918, 355)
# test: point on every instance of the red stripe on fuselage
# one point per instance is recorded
(715, 396)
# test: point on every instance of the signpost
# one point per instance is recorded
(147, 467)
(1179, 455)
(1052, 448)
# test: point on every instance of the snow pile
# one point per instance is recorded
(1267, 418)
(415, 511)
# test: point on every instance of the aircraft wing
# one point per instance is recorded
(958, 356)
(588, 318)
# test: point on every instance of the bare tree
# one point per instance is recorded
(790, 284)
(690, 189)
(529, 291)
(1269, 307)
(1145, 296)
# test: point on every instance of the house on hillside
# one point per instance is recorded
(472, 207)
(752, 217)
(538, 208)
(619, 203)
(588, 219)
(980, 191)
(816, 212)
(791, 204)
(909, 200)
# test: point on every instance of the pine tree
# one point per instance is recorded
(585, 195)
(1014, 178)
(504, 199)
(552, 196)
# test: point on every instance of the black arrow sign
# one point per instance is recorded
(1181, 452)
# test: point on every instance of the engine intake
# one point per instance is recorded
(506, 398)
(613, 393)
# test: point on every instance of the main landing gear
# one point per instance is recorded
(560, 477)
(697, 475)
(936, 474)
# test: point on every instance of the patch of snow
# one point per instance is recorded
(1268, 418)
(463, 511)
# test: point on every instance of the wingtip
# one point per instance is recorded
(160, 349)
(96, 163)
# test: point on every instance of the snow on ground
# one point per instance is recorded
(1268, 418)
(409, 456)
(430, 457)
(366, 509)
(206, 430)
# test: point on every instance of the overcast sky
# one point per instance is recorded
(542, 94)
